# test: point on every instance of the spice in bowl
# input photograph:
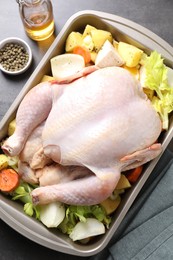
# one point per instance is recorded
(15, 56)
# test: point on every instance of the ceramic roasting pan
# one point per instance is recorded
(12, 212)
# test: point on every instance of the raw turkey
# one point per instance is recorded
(103, 122)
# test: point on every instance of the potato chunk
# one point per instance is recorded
(123, 183)
(74, 39)
(3, 161)
(99, 37)
(11, 127)
(130, 54)
(111, 205)
(47, 78)
(88, 29)
(88, 43)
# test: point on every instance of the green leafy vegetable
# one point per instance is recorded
(156, 78)
(74, 214)
(22, 193)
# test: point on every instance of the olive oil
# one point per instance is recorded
(37, 18)
(39, 26)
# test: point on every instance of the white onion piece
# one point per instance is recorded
(66, 65)
(52, 214)
(92, 227)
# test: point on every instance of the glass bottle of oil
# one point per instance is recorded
(37, 18)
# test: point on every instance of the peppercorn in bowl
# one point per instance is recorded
(15, 56)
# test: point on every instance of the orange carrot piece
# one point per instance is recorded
(133, 175)
(84, 52)
(9, 180)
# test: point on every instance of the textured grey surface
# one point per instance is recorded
(155, 15)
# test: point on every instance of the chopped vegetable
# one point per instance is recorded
(55, 214)
(88, 43)
(108, 56)
(22, 193)
(149, 93)
(91, 227)
(9, 180)
(47, 78)
(74, 39)
(66, 65)
(130, 54)
(11, 127)
(83, 52)
(52, 214)
(3, 161)
(133, 175)
(99, 37)
(87, 30)
(156, 79)
(123, 183)
(75, 214)
(111, 205)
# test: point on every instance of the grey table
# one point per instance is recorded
(156, 15)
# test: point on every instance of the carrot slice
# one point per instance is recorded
(133, 175)
(9, 180)
(84, 52)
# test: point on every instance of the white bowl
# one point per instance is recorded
(21, 42)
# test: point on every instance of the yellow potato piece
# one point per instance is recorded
(3, 161)
(123, 183)
(130, 54)
(111, 205)
(99, 37)
(149, 93)
(47, 78)
(74, 39)
(11, 127)
(88, 29)
(88, 43)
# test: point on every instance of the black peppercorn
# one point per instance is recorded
(13, 57)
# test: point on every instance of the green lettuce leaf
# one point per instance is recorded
(74, 214)
(156, 78)
(22, 193)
